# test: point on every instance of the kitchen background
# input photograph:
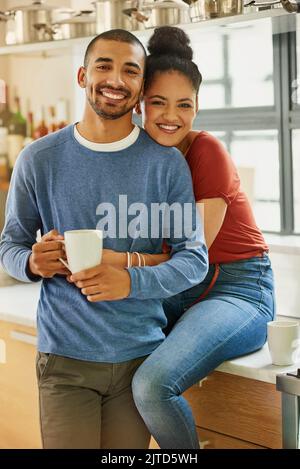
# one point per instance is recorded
(249, 99)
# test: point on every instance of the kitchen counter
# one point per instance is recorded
(18, 304)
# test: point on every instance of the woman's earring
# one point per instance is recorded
(138, 109)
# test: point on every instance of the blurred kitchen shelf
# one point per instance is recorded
(42, 47)
(282, 22)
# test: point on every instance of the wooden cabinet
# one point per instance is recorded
(235, 412)
(19, 417)
(232, 412)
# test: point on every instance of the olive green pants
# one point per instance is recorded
(88, 405)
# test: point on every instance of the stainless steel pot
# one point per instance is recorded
(82, 24)
(209, 9)
(28, 23)
(290, 6)
(112, 14)
(161, 13)
(31, 23)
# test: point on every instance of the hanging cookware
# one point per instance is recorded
(25, 20)
(114, 14)
(209, 9)
(162, 13)
(290, 6)
(32, 23)
(83, 24)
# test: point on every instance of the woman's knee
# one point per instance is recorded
(150, 384)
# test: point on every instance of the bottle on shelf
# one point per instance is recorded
(41, 128)
(52, 119)
(4, 167)
(62, 113)
(29, 129)
(5, 113)
(16, 133)
(5, 116)
(29, 124)
(2, 92)
(17, 123)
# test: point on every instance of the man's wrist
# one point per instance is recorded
(31, 272)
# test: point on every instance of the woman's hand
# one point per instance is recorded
(117, 259)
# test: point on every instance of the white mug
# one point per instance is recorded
(83, 249)
(284, 342)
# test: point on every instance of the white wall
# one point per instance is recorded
(42, 80)
(3, 60)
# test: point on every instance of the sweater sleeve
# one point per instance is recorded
(188, 264)
(22, 221)
(213, 171)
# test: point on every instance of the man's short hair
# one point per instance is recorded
(119, 35)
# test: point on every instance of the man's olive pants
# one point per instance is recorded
(88, 405)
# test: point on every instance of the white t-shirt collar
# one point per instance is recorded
(108, 147)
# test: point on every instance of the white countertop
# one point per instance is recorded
(18, 304)
(257, 366)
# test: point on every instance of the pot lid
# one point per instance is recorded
(35, 6)
(82, 17)
(165, 4)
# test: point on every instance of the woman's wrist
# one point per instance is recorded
(135, 259)
(122, 259)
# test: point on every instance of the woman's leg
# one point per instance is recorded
(212, 331)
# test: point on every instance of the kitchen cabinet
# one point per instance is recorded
(235, 412)
(19, 416)
(232, 412)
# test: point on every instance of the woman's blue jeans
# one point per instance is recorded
(231, 321)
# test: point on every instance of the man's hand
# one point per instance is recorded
(45, 254)
(102, 283)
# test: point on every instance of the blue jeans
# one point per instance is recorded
(231, 321)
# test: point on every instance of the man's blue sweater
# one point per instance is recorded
(60, 184)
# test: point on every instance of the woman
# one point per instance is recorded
(226, 315)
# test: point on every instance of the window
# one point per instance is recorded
(256, 155)
(257, 151)
(240, 74)
(296, 82)
(247, 100)
(296, 178)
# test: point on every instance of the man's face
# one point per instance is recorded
(113, 78)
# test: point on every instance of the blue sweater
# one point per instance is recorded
(58, 184)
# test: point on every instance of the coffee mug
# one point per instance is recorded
(284, 342)
(83, 249)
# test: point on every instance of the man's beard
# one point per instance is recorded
(110, 116)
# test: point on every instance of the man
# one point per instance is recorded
(90, 345)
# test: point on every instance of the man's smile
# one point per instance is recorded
(113, 95)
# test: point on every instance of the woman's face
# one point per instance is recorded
(169, 108)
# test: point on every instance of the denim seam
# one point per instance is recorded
(184, 420)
